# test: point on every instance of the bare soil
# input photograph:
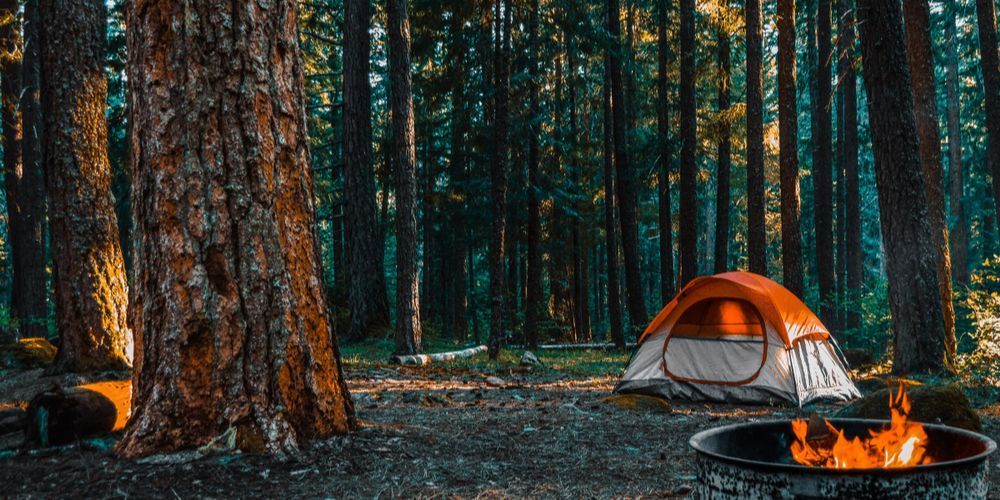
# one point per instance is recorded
(433, 432)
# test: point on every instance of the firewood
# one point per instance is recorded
(60, 416)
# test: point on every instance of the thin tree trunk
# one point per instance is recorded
(246, 343)
(688, 129)
(25, 194)
(852, 194)
(788, 124)
(610, 231)
(756, 233)
(90, 282)
(498, 180)
(459, 127)
(665, 153)
(823, 165)
(366, 294)
(722, 195)
(920, 55)
(959, 234)
(29, 291)
(407, 282)
(533, 305)
(990, 63)
(917, 319)
(627, 198)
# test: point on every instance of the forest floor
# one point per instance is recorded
(467, 428)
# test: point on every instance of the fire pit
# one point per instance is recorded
(755, 460)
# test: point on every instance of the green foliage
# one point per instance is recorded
(980, 345)
(875, 330)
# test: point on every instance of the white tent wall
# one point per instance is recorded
(808, 371)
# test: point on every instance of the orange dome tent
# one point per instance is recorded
(737, 337)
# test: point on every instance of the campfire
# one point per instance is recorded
(819, 443)
(843, 458)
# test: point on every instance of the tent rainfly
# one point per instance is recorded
(740, 338)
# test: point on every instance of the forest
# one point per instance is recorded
(234, 226)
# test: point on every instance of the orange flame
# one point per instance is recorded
(902, 444)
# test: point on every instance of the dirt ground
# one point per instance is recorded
(433, 432)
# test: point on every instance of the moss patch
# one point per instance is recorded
(638, 402)
(33, 352)
(944, 404)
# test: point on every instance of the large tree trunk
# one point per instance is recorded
(920, 56)
(917, 320)
(756, 232)
(823, 165)
(234, 328)
(665, 153)
(788, 158)
(626, 190)
(990, 63)
(610, 230)
(405, 156)
(24, 179)
(366, 294)
(498, 179)
(847, 83)
(959, 234)
(722, 175)
(688, 129)
(90, 283)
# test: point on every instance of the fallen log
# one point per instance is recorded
(606, 345)
(59, 416)
(423, 359)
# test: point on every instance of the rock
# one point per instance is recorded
(857, 358)
(933, 404)
(32, 352)
(639, 402)
(494, 381)
(529, 359)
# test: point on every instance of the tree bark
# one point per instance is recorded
(610, 231)
(689, 167)
(498, 179)
(959, 234)
(990, 63)
(234, 328)
(408, 334)
(24, 179)
(665, 155)
(788, 158)
(847, 83)
(366, 295)
(722, 195)
(823, 165)
(533, 299)
(459, 127)
(90, 282)
(756, 233)
(626, 195)
(916, 15)
(30, 291)
(917, 319)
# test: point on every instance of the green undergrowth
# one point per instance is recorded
(377, 353)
